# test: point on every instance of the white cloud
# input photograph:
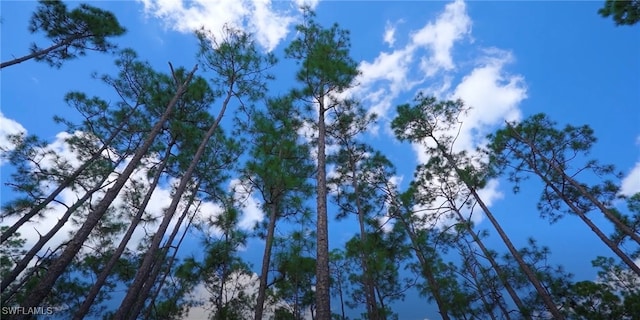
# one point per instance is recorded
(493, 96)
(8, 127)
(452, 25)
(631, 183)
(269, 24)
(389, 34)
(392, 73)
(309, 3)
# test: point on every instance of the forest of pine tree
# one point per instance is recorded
(198, 129)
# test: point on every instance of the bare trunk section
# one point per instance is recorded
(427, 271)
(582, 215)
(323, 301)
(479, 287)
(106, 271)
(579, 212)
(496, 267)
(58, 266)
(266, 258)
(168, 268)
(370, 295)
(158, 264)
(546, 298)
(135, 288)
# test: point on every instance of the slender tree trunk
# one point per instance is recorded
(136, 286)
(476, 281)
(42, 241)
(43, 52)
(619, 224)
(156, 294)
(427, 272)
(266, 258)
(382, 305)
(65, 184)
(579, 212)
(57, 267)
(340, 294)
(582, 215)
(546, 298)
(159, 265)
(113, 260)
(370, 295)
(485, 304)
(323, 301)
(496, 267)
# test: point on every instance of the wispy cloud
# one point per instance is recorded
(389, 36)
(269, 21)
(439, 36)
(426, 62)
(392, 73)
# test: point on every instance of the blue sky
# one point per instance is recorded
(506, 59)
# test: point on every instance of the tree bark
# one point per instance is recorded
(57, 267)
(266, 258)
(134, 290)
(582, 215)
(370, 295)
(24, 262)
(106, 271)
(546, 298)
(323, 301)
(159, 263)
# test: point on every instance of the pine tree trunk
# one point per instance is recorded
(43, 52)
(370, 296)
(106, 271)
(266, 258)
(323, 301)
(135, 288)
(156, 293)
(159, 264)
(42, 241)
(427, 272)
(476, 281)
(494, 264)
(579, 212)
(58, 266)
(582, 215)
(546, 298)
